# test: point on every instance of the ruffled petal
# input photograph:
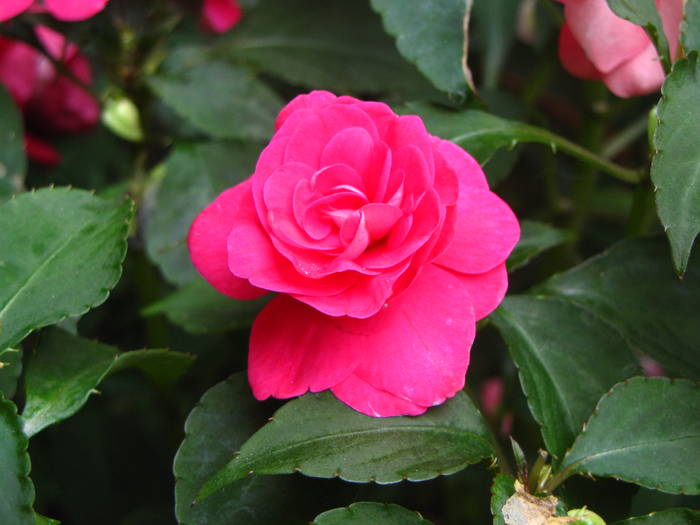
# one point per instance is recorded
(73, 10)
(364, 398)
(639, 76)
(486, 290)
(465, 167)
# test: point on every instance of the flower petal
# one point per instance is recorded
(486, 290)
(73, 10)
(465, 167)
(218, 16)
(363, 397)
(573, 58)
(639, 76)
(11, 8)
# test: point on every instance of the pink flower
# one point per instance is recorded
(386, 246)
(66, 10)
(51, 102)
(218, 16)
(595, 44)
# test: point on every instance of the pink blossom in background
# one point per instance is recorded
(384, 243)
(596, 44)
(66, 10)
(218, 16)
(50, 102)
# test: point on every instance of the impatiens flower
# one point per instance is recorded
(384, 243)
(596, 44)
(218, 16)
(66, 10)
(51, 102)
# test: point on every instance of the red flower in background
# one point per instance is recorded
(386, 246)
(66, 10)
(596, 44)
(51, 102)
(218, 16)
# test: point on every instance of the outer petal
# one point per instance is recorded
(18, 69)
(573, 58)
(11, 8)
(467, 169)
(486, 231)
(219, 16)
(486, 289)
(641, 75)
(607, 39)
(364, 398)
(207, 241)
(671, 12)
(72, 10)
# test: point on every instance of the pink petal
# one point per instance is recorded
(72, 10)
(409, 129)
(573, 58)
(607, 39)
(671, 12)
(465, 167)
(364, 398)
(352, 147)
(41, 152)
(314, 100)
(18, 69)
(380, 218)
(639, 76)
(207, 241)
(55, 43)
(485, 233)
(11, 8)
(219, 16)
(486, 290)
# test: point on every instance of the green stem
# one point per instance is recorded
(625, 137)
(559, 478)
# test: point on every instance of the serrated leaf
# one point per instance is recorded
(162, 366)
(566, 357)
(16, 487)
(365, 512)
(503, 487)
(535, 238)
(200, 309)
(61, 253)
(224, 418)
(222, 99)
(675, 168)
(665, 517)
(193, 176)
(644, 431)
(61, 376)
(690, 27)
(633, 288)
(319, 436)
(13, 162)
(324, 44)
(430, 34)
(10, 370)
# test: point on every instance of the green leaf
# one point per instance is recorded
(222, 99)
(494, 23)
(365, 512)
(430, 34)
(13, 162)
(10, 369)
(324, 44)
(644, 431)
(200, 309)
(535, 238)
(503, 487)
(43, 520)
(62, 251)
(162, 366)
(61, 376)
(319, 436)
(665, 517)
(223, 419)
(690, 28)
(675, 168)
(645, 14)
(193, 176)
(633, 288)
(567, 358)
(16, 487)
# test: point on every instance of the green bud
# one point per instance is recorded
(121, 117)
(651, 126)
(586, 517)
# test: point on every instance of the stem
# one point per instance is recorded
(625, 137)
(559, 478)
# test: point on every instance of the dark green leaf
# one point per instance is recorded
(665, 517)
(633, 288)
(567, 358)
(61, 254)
(61, 376)
(494, 23)
(163, 367)
(535, 238)
(645, 14)
(16, 487)
(200, 309)
(430, 34)
(223, 419)
(502, 489)
(324, 44)
(645, 431)
(320, 436)
(13, 162)
(365, 512)
(222, 99)
(675, 169)
(193, 176)
(690, 28)
(10, 369)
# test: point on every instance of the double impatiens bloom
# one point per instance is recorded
(384, 243)
(596, 44)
